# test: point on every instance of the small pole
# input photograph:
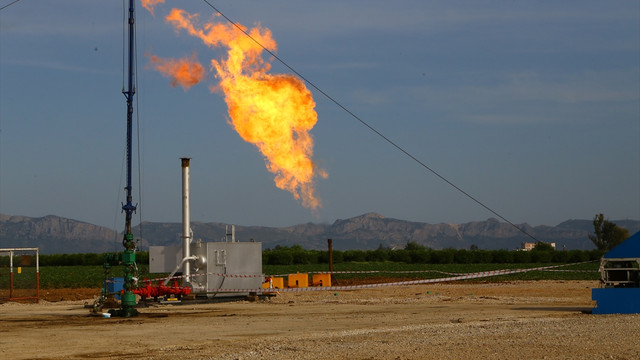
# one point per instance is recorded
(186, 221)
(11, 275)
(330, 244)
(38, 275)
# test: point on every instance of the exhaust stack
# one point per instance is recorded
(186, 221)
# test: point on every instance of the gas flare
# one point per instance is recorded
(150, 4)
(273, 112)
(185, 72)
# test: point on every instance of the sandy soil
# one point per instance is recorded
(513, 320)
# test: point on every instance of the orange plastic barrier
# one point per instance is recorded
(274, 282)
(298, 280)
(321, 280)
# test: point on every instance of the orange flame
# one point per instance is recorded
(150, 4)
(185, 72)
(273, 112)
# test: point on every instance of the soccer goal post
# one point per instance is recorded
(19, 274)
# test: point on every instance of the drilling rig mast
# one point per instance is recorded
(128, 256)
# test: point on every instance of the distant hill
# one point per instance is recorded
(587, 225)
(53, 234)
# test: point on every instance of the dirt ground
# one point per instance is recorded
(510, 320)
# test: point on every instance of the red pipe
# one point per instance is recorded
(161, 290)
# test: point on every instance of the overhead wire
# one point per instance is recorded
(370, 127)
(9, 4)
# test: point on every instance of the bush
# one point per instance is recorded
(560, 256)
(338, 256)
(323, 257)
(142, 257)
(543, 246)
(463, 256)
(539, 256)
(578, 256)
(596, 254)
(482, 256)
(422, 256)
(412, 245)
(522, 257)
(355, 256)
(446, 256)
(379, 255)
(301, 256)
(277, 257)
(503, 256)
(403, 256)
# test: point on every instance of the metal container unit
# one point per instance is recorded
(241, 260)
(216, 259)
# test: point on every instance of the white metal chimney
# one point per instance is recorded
(186, 221)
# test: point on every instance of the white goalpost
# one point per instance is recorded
(20, 274)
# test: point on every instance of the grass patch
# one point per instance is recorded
(92, 276)
(387, 269)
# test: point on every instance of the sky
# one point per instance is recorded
(531, 107)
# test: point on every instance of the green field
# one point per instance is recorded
(427, 271)
(91, 276)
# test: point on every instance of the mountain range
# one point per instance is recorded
(53, 234)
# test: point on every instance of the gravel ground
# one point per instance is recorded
(511, 320)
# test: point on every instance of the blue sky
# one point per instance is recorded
(532, 107)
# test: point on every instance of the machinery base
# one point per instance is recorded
(124, 312)
(616, 300)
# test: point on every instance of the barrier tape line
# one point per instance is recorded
(577, 271)
(397, 283)
(438, 271)
(546, 268)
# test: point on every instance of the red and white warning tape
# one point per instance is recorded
(456, 276)
(577, 271)
(397, 283)
(363, 272)
(433, 271)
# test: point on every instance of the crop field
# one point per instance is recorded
(92, 276)
(393, 270)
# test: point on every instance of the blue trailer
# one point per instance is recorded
(620, 278)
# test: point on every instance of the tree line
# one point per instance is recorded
(412, 253)
(417, 254)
